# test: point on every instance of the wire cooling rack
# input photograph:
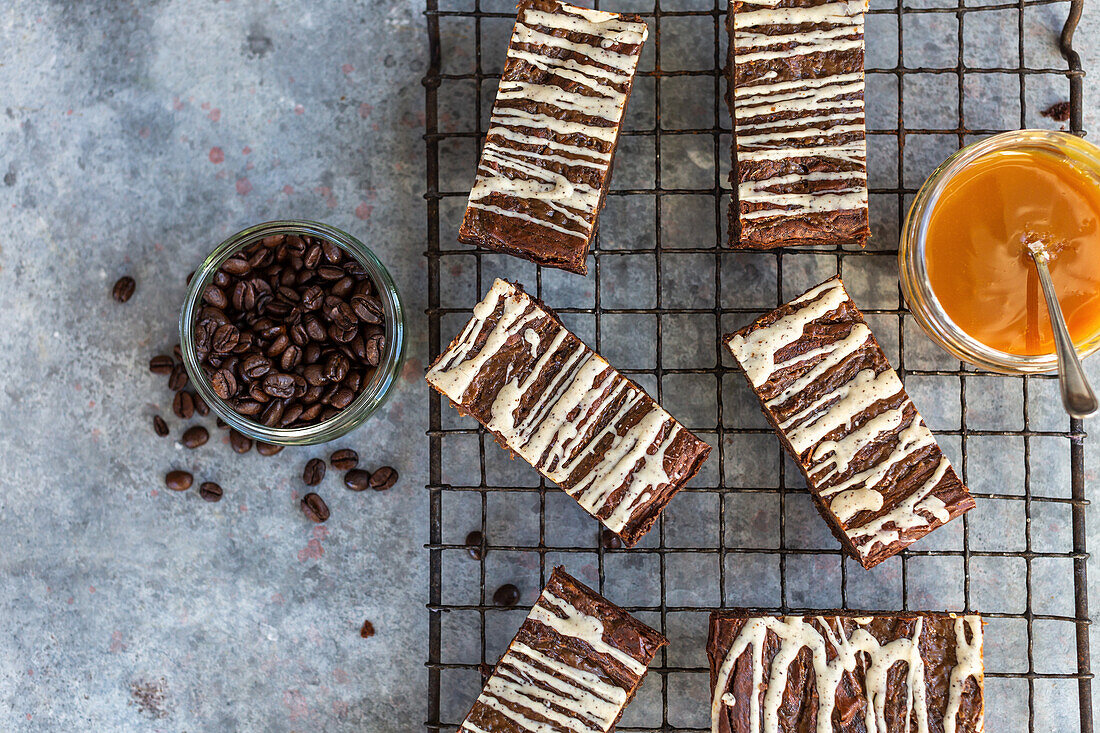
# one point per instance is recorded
(661, 291)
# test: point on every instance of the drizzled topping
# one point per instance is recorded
(798, 105)
(565, 410)
(840, 647)
(556, 119)
(534, 688)
(822, 376)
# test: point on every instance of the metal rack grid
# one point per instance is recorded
(1012, 558)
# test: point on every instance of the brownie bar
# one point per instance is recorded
(574, 664)
(795, 94)
(546, 164)
(562, 408)
(872, 466)
(846, 673)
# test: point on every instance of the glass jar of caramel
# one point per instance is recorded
(965, 272)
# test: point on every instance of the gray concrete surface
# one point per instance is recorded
(133, 138)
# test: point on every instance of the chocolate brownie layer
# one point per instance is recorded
(796, 97)
(561, 407)
(573, 666)
(840, 672)
(873, 467)
(546, 163)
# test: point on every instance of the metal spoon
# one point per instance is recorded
(1077, 395)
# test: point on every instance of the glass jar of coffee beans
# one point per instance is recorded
(293, 332)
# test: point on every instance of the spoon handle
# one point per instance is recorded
(1077, 395)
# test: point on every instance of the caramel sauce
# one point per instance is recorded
(976, 253)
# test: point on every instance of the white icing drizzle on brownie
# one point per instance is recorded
(530, 687)
(558, 431)
(813, 122)
(796, 633)
(551, 176)
(836, 409)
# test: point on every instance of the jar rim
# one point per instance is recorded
(916, 285)
(382, 380)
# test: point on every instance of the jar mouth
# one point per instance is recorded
(377, 388)
(916, 285)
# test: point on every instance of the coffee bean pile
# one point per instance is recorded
(291, 331)
(355, 479)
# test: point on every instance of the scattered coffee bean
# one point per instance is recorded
(161, 364)
(241, 443)
(267, 449)
(194, 436)
(210, 491)
(201, 408)
(344, 459)
(357, 479)
(314, 472)
(475, 545)
(506, 595)
(159, 426)
(290, 331)
(366, 630)
(123, 289)
(610, 540)
(178, 379)
(222, 424)
(183, 405)
(486, 670)
(314, 508)
(383, 479)
(178, 480)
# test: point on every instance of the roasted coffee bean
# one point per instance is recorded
(194, 436)
(357, 479)
(161, 364)
(244, 296)
(183, 405)
(210, 491)
(222, 424)
(201, 408)
(342, 398)
(343, 287)
(236, 266)
(353, 381)
(225, 338)
(366, 630)
(312, 354)
(311, 413)
(273, 413)
(124, 289)
(475, 545)
(215, 296)
(159, 426)
(344, 459)
(383, 479)
(279, 385)
(333, 253)
(224, 384)
(610, 540)
(312, 257)
(315, 508)
(255, 366)
(367, 308)
(267, 449)
(241, 443)
(177, 352)
(506, 595)
(178, 480)
(290, 358)
(314, 472)
(315, 375)
(486, 671)
(373, 349)
(249, 408)
(178, 379)
(190, 276)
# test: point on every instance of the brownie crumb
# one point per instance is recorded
(1059, 111)
(150, 697)
(366, 630)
